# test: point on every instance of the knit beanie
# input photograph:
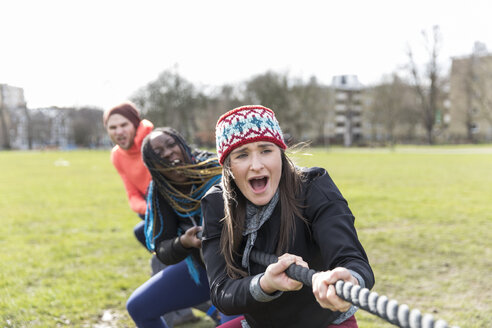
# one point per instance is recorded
(244, 125)
(126, 109)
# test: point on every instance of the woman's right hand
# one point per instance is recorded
(189, 239)
(275, 277)
(324, 288)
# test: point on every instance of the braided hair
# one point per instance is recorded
(202, 171)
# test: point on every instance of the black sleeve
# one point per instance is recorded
(171, 251)
(333, 229)
(168, 248)
(230, 296)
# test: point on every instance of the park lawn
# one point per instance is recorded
(423, 214)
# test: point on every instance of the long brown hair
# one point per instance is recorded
(235, 212)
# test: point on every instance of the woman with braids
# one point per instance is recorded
(267, 203)
(180, 178)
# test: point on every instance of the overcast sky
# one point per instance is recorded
(98, 53)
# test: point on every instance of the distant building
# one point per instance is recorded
(40, 128)
(24, 128)
(470, 97)
(64, 128)
(11, 101)
(52, 127)
(348, 109)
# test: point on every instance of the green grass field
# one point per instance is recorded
(423, 214)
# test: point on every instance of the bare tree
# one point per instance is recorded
(384, 107)
(211, 107)
(428, 84)
(272, 90)
(87, 129)
(309, 104)
(392, 109)
(27, 115)
(170, 101)
(469, 85)
(40, 129)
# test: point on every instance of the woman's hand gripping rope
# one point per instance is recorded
(324, 288)
(190, 238)
(381, 306)
(323, 283)
(275, 277)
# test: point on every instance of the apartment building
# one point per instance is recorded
(11, 101)
(348, 109)
(470, 97)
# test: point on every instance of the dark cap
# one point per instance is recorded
(126, 109)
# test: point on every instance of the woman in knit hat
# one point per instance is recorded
(180, 178)
(298, 214)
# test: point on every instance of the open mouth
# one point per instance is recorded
(176, 162)
(258, 184)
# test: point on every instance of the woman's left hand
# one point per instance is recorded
(189, 239)
(324, 288)
(275, 277)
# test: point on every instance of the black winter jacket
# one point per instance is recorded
(168, 248)
(329, 241)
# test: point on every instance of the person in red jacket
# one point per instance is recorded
(127, 131)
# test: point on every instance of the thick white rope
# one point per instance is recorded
(381, 306)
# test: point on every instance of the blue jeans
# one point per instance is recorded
(157, 266)
(169, 290)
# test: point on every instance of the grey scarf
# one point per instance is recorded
(255, 217)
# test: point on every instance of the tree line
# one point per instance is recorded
(409, 106)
